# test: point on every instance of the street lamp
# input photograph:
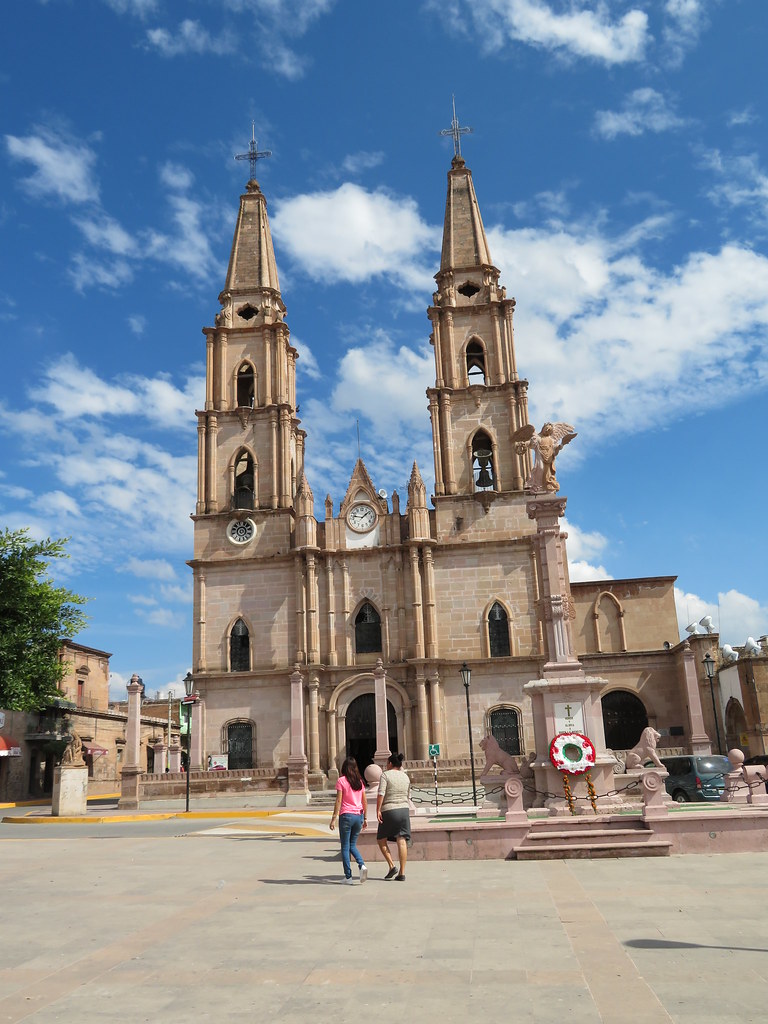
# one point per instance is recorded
(189, 685)
(709, 668)
(466, 675)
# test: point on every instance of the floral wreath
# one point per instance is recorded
(572, 752)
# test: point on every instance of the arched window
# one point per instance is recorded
(482, 465)
(246, 387)
(505, 728)
(239, 648)
(244, 480)
(475, 363)
(498, 631)
(624, 718)
(367, 630)
(239, 745)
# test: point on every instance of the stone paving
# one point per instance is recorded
(211, 920)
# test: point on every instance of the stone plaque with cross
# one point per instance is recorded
(569, 716)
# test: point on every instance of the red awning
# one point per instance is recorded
(94, 749)
(9, 747)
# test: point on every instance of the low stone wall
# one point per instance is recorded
(216, 783)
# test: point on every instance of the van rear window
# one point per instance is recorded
(713, 764)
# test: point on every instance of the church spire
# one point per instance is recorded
(465, 246)
(252, 270)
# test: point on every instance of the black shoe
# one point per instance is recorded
(401, 878)
(390, 874)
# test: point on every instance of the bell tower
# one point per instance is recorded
(251, 450)
(478, 400)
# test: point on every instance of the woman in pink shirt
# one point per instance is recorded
(350, 810)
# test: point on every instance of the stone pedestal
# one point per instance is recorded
(494, 803)
(132, 770)
(655, 801)
(298, 781)
(70, 791)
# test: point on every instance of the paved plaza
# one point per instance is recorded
(220, 920)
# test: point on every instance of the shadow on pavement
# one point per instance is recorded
(671, 944)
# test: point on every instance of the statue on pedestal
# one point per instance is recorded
(73, 753)
(545, 446)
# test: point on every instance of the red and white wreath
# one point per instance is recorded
(572, 752)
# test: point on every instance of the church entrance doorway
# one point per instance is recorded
(361, 729)
(624, 718)
(735, 727)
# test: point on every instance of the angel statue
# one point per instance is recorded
(546, 445)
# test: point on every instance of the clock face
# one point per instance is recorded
(361, 518)
(240, 531)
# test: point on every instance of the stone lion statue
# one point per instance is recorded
(495, 755)
(644, 750)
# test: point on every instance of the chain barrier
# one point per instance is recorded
(465, 796)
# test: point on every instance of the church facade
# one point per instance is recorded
(299, 617)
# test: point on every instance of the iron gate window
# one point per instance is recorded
(367, 630)
(240, 745)
(624, 718)
(505, 729)
(498, 631)
(239, 648)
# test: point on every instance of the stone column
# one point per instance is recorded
(422, 720)
(382, 727)
(700, 742)
(174, 756)
(418, 617)
(332, 746)
(197, 722)
(332, 656)
(298, 789)
(314, 725)
(132, 771)
(557, 604)
(430, 620)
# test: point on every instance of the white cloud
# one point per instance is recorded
(176, 176)
(645, 110)
(137, 323)
(141, 8)
(191, 37)
(95, 272)
(684, 23)
(740, 117)
(58, 503)
(150, 568)
(743, 182)
(63, 167)
(307, 363)
(356, 163)
(103, 232)
(188, 247)
(166, 618)
(351, 234)
(735, 615)
(579, 29)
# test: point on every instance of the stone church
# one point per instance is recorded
(342, 630)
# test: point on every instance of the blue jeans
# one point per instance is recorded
(350, 826)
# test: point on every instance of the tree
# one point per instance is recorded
(35, 616)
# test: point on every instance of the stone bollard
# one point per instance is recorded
(654, 794)
(516, 813)
(735, 791)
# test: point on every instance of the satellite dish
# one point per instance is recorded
(692, 628)
(382, 494)
(729, 655)
(750, 647)
(707, 623)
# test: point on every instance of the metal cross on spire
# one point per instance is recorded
(253, 153)
(456, 131)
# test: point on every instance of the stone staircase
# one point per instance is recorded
(583, 837)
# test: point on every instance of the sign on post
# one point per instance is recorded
(434, 750)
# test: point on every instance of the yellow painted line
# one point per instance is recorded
(30, 819)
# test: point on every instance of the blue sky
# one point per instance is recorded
(620, 161)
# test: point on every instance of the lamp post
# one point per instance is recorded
(189, 685)
(709, 668)
(466, 676)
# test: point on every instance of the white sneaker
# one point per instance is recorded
(349, 881)
(363, 873)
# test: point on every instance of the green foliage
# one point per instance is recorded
(35, 616)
